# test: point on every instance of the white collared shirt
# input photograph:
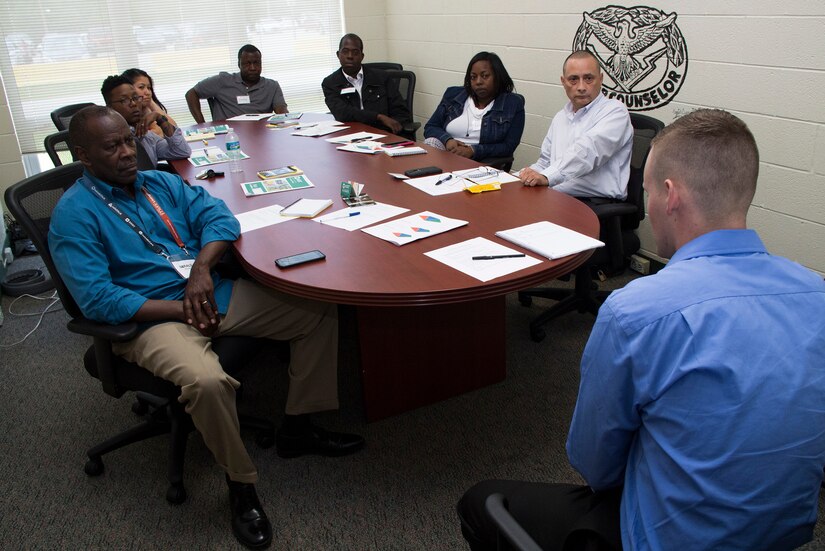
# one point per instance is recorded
(587, 153)
(357, 82)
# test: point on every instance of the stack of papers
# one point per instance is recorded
(414, 227)
(211, 156)
(550, 240)
(206, 133)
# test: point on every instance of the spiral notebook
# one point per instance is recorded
(400, 152)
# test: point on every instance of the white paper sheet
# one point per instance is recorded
(460, 256)
(453, 182)
(250, 117)
(367, 215)
(414, 227)
(320, 130)
(357, 136)
(261, 218)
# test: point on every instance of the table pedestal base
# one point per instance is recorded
(417, 355)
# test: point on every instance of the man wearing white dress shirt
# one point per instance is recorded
(586, 152)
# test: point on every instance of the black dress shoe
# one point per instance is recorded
(249, 522)
(317, 441)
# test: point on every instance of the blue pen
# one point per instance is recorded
(444, 179)
(342, 217)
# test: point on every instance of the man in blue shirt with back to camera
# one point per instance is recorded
(700, 421)
(141, 246)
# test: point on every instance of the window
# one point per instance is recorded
(58, 53)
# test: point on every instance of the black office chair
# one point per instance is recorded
(32, 201)
(384, 65)
(62, 115)
(510, 533)
(58, 143)
(406, 87)
(618, 222)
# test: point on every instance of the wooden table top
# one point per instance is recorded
(364, 270)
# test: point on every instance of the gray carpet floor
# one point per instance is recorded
(399, 493)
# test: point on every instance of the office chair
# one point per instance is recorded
(618, 222)
(406, 87)
(384, 65)
(57, 143)
(62, 115)
(32, 201)
(510, 533)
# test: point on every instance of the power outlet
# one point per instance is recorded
(639, 264)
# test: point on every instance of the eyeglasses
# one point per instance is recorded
(127, 101)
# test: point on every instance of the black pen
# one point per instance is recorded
(292, 203)
(497, 256)
(444, 179)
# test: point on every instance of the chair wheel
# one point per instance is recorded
(537, 334)
(265, 439)
(176, 494)
(525, 300)
(140, 408)
(94, 467)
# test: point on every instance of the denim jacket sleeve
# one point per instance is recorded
(436, 127)
(501, 129)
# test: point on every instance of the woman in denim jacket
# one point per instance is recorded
(482, 119)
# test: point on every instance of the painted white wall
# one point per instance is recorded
(761, 60)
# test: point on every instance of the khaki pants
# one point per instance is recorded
(179, 353)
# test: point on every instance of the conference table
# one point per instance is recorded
(426, 331)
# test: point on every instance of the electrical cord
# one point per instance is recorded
(54, 300)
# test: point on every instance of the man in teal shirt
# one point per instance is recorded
(140, 246)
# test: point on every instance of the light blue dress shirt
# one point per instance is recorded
(587, 153)
(107, 267)
(703, 392)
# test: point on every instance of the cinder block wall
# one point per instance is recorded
(761, 60)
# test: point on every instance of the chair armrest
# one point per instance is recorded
(411, 126)
(499, 163)
(115, 333)
(609, 210)
(496, 508)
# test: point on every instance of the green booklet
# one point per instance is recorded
(262, 187)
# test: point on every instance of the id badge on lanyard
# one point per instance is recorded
(182, 263)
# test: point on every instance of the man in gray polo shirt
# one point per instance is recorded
(232, 94)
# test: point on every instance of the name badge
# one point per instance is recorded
(350, 90)
(243, 99)
(182, 265)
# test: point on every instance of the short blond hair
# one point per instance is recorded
(715, 154)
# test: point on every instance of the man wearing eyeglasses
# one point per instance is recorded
(120, 95)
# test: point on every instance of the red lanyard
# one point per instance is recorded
(165, 218)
